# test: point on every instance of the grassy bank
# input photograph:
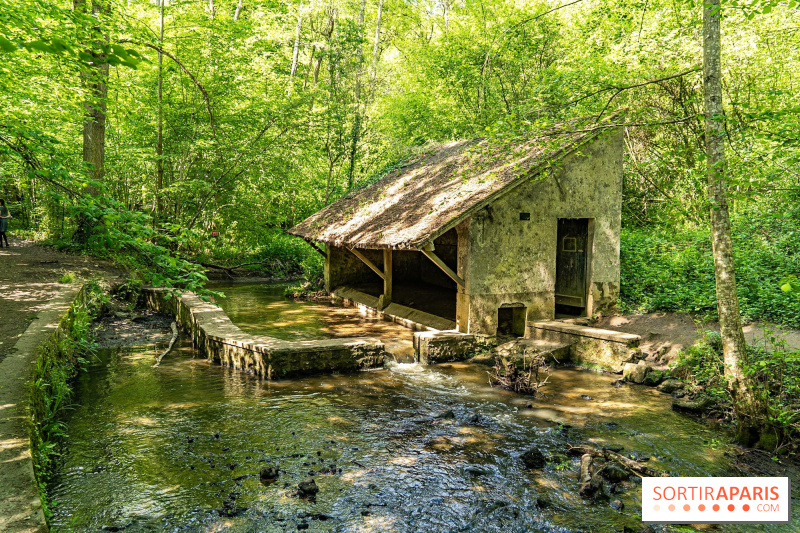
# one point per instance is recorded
(773, 378)
(57, 363)
(671, 269)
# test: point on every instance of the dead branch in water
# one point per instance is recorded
(174, 327)
(509, 376)
(629, 464)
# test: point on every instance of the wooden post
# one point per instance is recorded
(428, 252)
(367, 262)
(387, 276)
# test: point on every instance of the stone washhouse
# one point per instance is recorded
(483, 238)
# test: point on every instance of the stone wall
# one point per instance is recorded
(220, 340)
(508, 261)
(590, 347)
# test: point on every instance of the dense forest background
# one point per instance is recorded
(242, 117)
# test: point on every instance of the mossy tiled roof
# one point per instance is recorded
(438, 188)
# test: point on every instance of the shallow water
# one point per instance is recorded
(179, 448)
(261, 309)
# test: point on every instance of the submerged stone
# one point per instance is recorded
(534, 458)
(614, 473)
(269, 473)
(697, 405)
(308, 487)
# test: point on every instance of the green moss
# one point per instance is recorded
(57, 363)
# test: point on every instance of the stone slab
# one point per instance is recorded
(433, 347)
(629, 339)
(397, 313)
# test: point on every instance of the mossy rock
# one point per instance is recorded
(671, 385)
(688, 405)
(653, 378)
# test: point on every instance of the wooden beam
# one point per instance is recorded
(367, 262)
(387, 276)
(446, 269)
(317, 248)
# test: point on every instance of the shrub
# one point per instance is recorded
(772, 375)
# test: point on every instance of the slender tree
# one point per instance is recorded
(356, 132)
(160, 132)
(733, 342)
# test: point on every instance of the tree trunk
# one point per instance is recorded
(376, 48)
(733, 342)
(160, 132)
(238, 11)
(296, 50)
(95, 80)
(356, 133)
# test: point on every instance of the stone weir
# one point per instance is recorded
(221, 341)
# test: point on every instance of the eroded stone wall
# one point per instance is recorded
(223, 342)
(509, 261)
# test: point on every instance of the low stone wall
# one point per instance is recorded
(20, 501)
(433, 347)
(221, 341)
(605, 349)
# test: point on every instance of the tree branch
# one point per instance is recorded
(197, 83)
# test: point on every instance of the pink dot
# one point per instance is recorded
(701, 507)
(656, 507)
(731, 507)
(716, 507)
(671, 507)
(746, 507)
(687, 507)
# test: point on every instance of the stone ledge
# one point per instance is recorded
(394, 312)
(433, 347)
(628, 339)
(20, 501)
(222, 341)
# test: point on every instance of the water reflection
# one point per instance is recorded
(261, 309)
(411, 448)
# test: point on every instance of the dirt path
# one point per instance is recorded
(29, 278)
(664, 334)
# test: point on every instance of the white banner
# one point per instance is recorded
(716, 500)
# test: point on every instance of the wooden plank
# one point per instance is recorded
(367, 261)
(317, 248)
(387, 276)
(446, 269)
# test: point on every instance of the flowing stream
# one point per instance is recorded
(409, 448)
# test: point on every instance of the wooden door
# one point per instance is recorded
(571, 254)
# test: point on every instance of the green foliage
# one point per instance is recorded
(672, 269)
(67, 277)
(772, 375)
(57, 363)
(701, 365)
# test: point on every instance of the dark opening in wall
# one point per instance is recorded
(511, 321)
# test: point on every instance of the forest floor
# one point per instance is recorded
(665, 334)
(29, 278)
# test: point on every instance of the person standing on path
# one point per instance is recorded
(4, 216)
